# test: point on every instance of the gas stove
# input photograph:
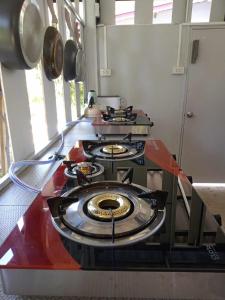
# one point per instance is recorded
(123, 121)
(100, 221)
(114, 150)
(127, 206)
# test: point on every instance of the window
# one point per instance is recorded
(37, 107)
(81, 9)
(73, 100)
(162, 11)
(5, 145)
(59, 90)
(201, 11)
(125, 11)
(60, 103)
(82, 97)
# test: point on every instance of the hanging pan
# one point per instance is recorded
(21, 34)
(53, 48)
(70, 53)
(80, 56)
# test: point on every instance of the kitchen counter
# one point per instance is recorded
(34, 259)
(34, 243)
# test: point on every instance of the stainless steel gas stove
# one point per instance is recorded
(123, 121)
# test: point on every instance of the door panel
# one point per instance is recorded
(203, 153)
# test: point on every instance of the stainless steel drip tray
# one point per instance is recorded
(120, 129)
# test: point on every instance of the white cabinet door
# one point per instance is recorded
(203, 151)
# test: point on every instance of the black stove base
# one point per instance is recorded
(143, 257)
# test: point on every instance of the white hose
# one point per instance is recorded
(25, 163)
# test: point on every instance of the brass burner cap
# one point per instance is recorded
(119, 119)
(108, 205)
(114, 149)
(84, 167)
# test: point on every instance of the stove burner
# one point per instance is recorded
(114, 119)
(119, 112)
(108, 205)
(120, 116)
(85, 167)
(120, 120)
(114, 149)
(90, 170)
(116, 217)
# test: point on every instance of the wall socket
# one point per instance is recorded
(105, 72)
(178, 70)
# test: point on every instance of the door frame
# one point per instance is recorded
(187, 52)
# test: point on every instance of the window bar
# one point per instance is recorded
(71, 8)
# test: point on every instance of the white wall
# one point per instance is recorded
(142, 58)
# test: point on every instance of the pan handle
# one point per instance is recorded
(77, 35)
(52, 10)
(68, 22)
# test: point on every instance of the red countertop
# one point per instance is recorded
(34, 243)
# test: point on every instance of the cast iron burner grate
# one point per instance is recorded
(120, 116)
(114, 150)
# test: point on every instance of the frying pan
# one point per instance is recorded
(69, 68)
(53, 48)
(79, 58)
(70, 53)
(21, 34)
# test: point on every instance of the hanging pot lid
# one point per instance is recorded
(21, 37)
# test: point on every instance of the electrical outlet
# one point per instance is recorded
(105, 72)
(178, 70)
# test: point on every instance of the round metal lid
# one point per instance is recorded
(31, 32)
